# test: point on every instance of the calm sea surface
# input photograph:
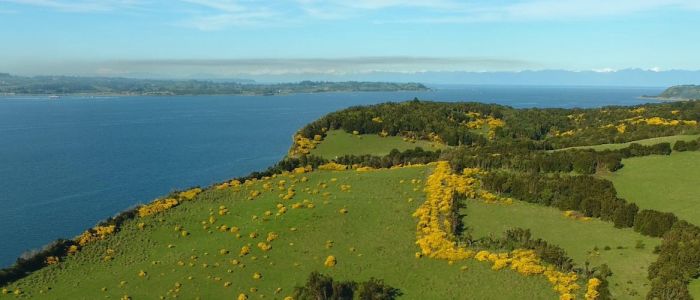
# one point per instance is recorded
(65, 164)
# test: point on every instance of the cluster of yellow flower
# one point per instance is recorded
(557, 133)
(436, 239)
(333, 166)
(592, 289)
(161, 205)
(576, 215)
(157, 206)
(189, 194)
(302, 170)
(97, 233)
(433, 239)
(345, 187)
(245, 250)
(639, 110)
(223, 210)
(488, 197)
(253, 194)
(302, 145)
(653, 121)
(281, 209)
(476, 192)
(72, 250)
(306, 204)
(658, 121)
(289, 195)
(264, 246)
(479, 122)
(364, 169)
(435, 138)
(577, 117)
(271, 236)
(621, 128)
(16, 292)
(233, 184)
(52, 260)
(330, 261)
(109, 255)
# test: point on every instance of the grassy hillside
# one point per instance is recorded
(664, 183)
(339, 142)
(666, 139)
(376, 237)
(578, 238)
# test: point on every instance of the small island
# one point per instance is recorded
(69, 85)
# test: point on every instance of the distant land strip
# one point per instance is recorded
(69, 85)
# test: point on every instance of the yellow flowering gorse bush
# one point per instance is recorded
(436, 239)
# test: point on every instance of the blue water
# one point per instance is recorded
(66, 164)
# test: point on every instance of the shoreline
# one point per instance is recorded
(178, 95)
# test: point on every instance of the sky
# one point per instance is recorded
(249, 37)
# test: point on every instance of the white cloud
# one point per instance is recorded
(221, 14)
(605, 70)
(549, 10)
(80, 5)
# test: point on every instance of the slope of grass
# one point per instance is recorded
(664, 183)
(578, 238)
(338, 143)
(376, 237)
(665, 139)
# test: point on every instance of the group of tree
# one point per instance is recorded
(677, 264)
(394, 158)
(591, 196)
(682, 146)
(322, 287)
(583, 127)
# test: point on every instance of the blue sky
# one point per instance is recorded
(238, 37)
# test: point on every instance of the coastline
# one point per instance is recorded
(665, 99)
(207, 94)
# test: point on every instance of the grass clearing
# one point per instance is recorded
(663, 183)
(578, 238)
(375, 238)
(652, 141)
(339, 143)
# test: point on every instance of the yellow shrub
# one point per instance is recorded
(332, 166)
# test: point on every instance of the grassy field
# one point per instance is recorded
(694, 288)
(663, 183)
(578, 238)
(376, 237)
(338, 143)
(666, 139)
